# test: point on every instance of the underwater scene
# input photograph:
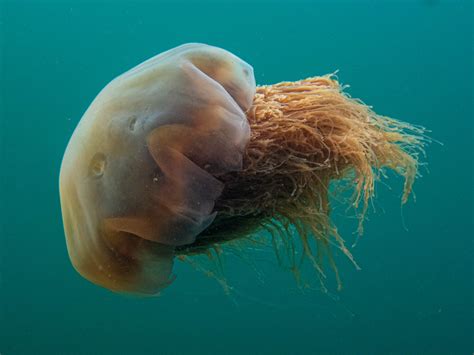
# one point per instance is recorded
(236, 177)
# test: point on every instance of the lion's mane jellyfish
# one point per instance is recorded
(183, 154)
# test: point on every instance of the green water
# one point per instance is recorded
(409, 59)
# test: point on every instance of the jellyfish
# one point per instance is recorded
(184, 153)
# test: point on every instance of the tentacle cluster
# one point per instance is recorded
(305, 135)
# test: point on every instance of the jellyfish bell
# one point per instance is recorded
(138, 175)
(183, 153)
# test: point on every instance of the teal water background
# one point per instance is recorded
(411, 60)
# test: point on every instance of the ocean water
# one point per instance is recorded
(411, 60)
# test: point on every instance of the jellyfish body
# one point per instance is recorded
(138, 175)
(183, 153)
